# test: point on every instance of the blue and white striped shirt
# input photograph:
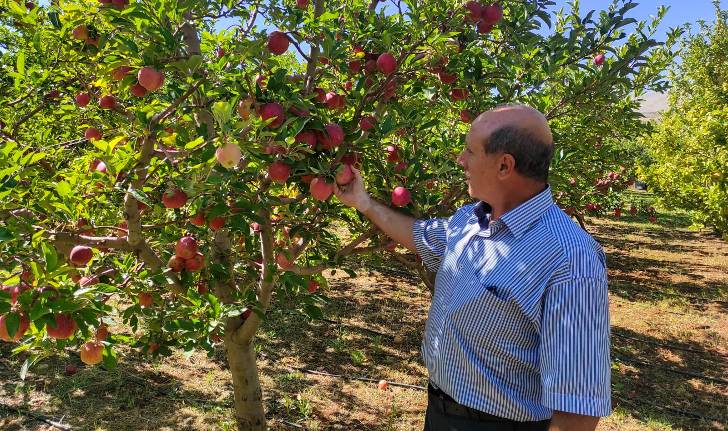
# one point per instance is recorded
(519, 321)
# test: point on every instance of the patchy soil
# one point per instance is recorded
(669, 304)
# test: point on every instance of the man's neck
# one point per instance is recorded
(514, 198)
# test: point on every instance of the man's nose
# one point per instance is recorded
(461, 158)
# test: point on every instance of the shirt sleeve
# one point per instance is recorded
(574, 354)
(431, 239)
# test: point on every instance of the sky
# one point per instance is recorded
(680, 12)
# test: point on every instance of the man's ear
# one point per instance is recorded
(506, 165)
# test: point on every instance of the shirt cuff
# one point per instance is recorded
(430, 259)
(588, 406)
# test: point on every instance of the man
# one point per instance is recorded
(517, 337)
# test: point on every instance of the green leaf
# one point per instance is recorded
(5, 234)
(328, 16)
(53, 17)
(20, 62)
(109, 358)
(63, 188)
(195, 143)
(140, 196)
(50, 255)
(12, 322)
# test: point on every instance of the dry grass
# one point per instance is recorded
(657, 331)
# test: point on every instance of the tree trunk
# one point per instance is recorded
(249, 413)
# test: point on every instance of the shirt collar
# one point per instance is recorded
(519, 219)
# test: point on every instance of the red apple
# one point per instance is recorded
(633, 210)
(195, 263)
(107, 102)
(392, 154)
(302, 4)
(261, 81)
(458, 94)
(484, 27)
(175, 198)
(599, 59)
(355, 66)
(332, 137)
(383, 385)
(176, 264)
(22, 328)
(274, 149)
(82, 99)
(401, 196)
(320, 95)
(138, 90)
(198, 219)
(186, 247)
(344, 175)
(321, 189)
(335, 101)
(120, 72)
(367, 122)
(278, 42)
(283, 261)
(447, 78)
(466, 116)
(307, 137)
(255, 227)
(98, 166)
(80, 255)
(386, 63)
(350, 159)
(312, 286)
(119, 4)
(244, 107)
(202, 288)
(65, 326)
(150, 78)
(275, 111)
(216, 223)
(493, 13)
(80, 32)
(92, 134)
(475, 10)
(279, 171)
(91, 353)
(220, 52)
(229, 155)
(145, 299)
(102, 332)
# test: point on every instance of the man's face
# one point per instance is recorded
(480, 168)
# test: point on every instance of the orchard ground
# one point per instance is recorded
(669, 311)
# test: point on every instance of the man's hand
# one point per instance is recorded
(354, 194)
(563, 421)
(396, 225)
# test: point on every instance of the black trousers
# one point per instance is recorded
(445, 414)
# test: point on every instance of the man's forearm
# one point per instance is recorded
(562, 421)
(396, 225)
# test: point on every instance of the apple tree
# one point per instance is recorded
(686, 161)
(164, 175)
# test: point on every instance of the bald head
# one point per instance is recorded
(520, 131)
(521, 116)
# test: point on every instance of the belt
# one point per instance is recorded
(449, 407)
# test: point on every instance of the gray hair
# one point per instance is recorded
(532, 155)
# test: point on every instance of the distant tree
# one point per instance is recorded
(687, 155)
